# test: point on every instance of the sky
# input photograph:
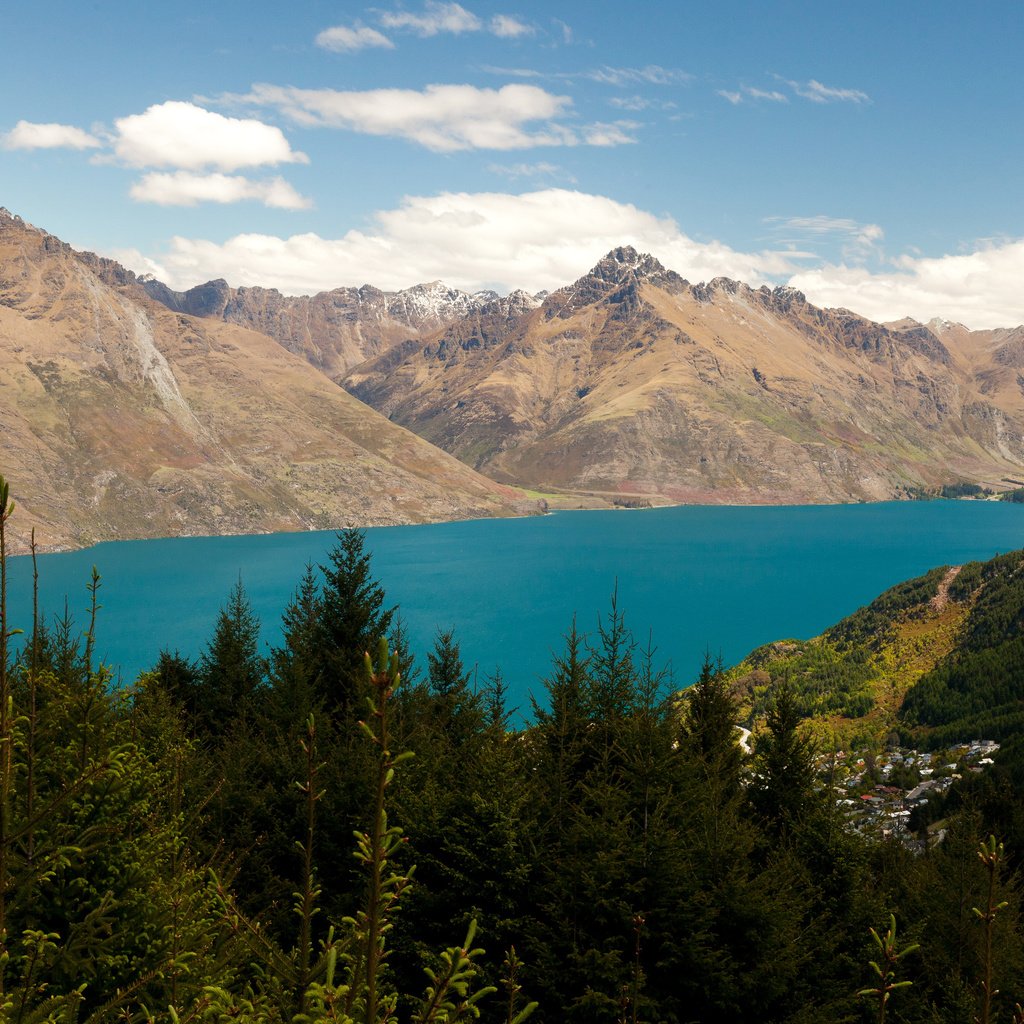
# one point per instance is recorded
(870, 154)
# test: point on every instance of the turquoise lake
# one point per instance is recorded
(724, 579)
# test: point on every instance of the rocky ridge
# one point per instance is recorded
(335, 330)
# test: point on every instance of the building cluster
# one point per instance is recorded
(877, 793)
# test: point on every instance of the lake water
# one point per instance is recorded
(696, 578)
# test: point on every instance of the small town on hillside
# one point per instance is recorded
(878, 793)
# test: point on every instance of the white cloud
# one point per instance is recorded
(616, 134)
(980, 289)
(342, 39)
(538, 240)
(506, 27)
(444, 118)
(436, 18)
(735, 97)
(858, 241)
(652, 74)
(541, 169)
(547, 238)
(761, 94)
(179, 134)
(29, 135)
(183, 188)
(629, 102)
(818, 93)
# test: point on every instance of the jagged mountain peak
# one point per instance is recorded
(614, 278)
(623, 263)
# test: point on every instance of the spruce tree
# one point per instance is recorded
(352, 618)
(231, 669)
(781, 790)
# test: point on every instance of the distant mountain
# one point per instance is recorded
(335, 330)
(123, 418)
(632, 381)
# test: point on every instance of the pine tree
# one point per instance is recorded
(457, 710)
(781, 790)
(292, 666)
(231, 669)
(352, 619)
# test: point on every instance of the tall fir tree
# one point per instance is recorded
(352, 619)
(231, 670)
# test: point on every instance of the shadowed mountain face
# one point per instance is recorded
(123, 418)
(633, 381)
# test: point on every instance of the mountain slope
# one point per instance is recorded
(633, 381)
(940, 658)
(122, 418)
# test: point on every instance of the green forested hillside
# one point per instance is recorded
(244, 838)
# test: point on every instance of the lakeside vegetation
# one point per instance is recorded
(183, 850)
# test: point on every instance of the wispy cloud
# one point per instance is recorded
(857, 242)
(749, 92)
(435, 19)
(814, 91)
(506, 27)
(345, 39)
(763, 94)
(541, 169)
(184, 188)
(443, 118)
(629, 102)
(565, 30)
(616, 133)
(30, 135)
(439, 18)
(652, 74)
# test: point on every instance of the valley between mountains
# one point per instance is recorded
(131, 410)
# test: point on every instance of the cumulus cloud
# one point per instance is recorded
(184, 188)
(444, 118)
(436, 18)
(980, 289)
(30, 135)
(342, 39)
(180, 134)
(537, 240)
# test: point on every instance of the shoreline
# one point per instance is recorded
(19, 551)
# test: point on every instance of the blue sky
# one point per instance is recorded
(869, 153)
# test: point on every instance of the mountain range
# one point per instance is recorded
(123, 418)
(130, 409)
